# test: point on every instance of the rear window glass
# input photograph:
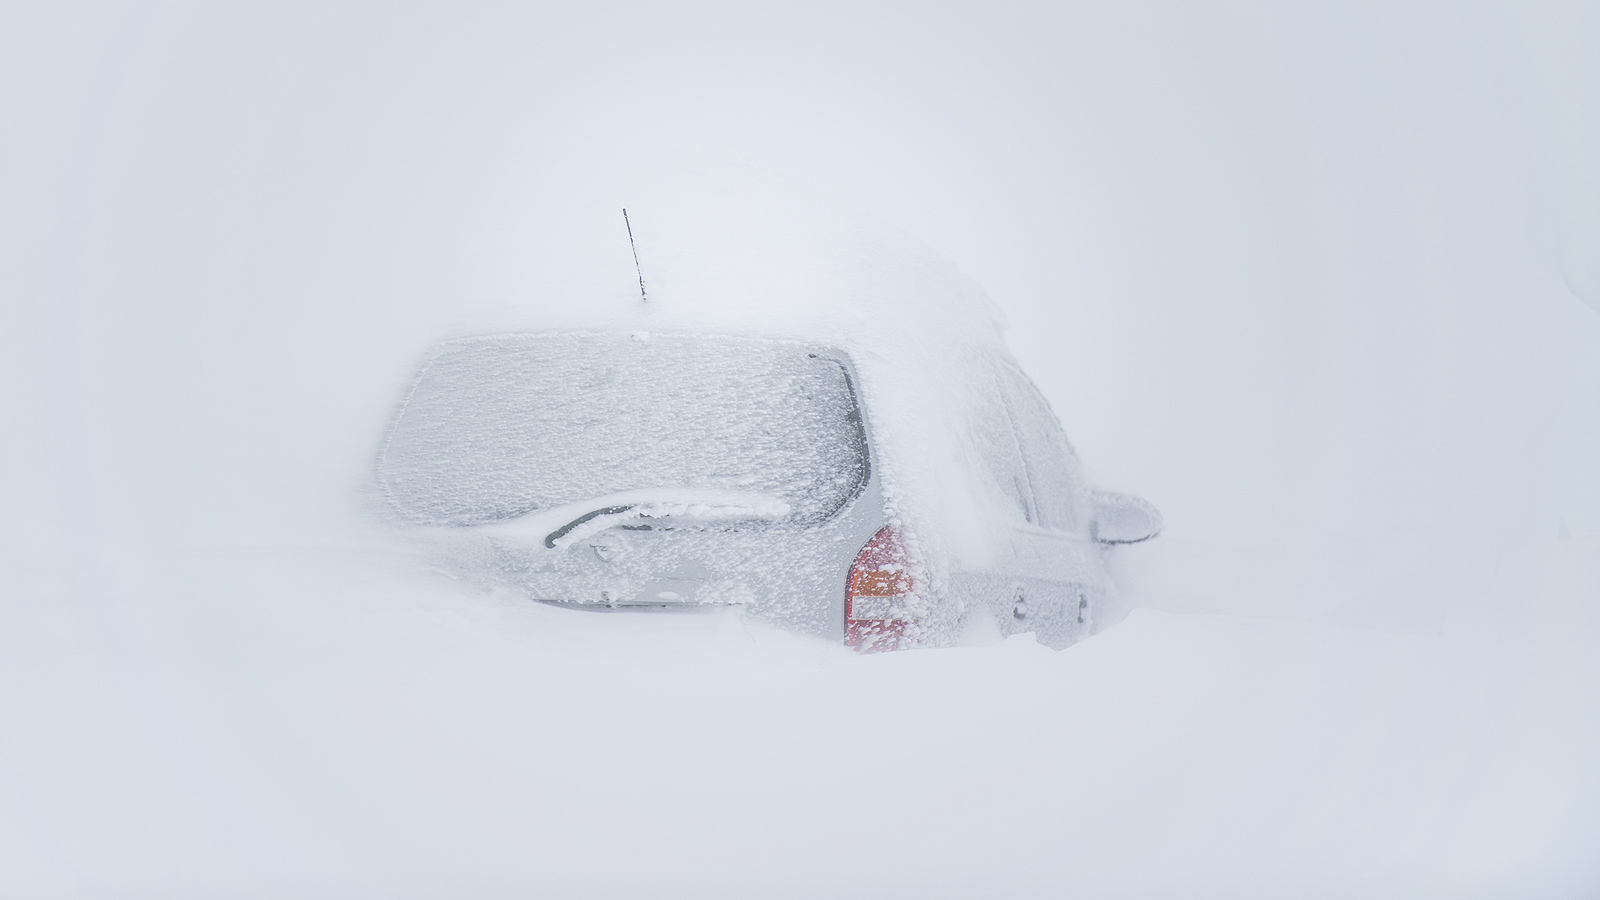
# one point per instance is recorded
(502, 426)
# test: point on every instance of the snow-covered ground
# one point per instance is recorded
(1324, 285)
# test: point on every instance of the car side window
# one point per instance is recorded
(1057, 489)
(995, 439)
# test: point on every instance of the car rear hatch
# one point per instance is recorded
(618, 470)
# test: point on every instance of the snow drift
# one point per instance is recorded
(1311, 280)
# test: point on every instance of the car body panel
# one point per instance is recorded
(710, 543)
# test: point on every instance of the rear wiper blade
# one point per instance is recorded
(719, 506)
(612, 510)
(554, 536)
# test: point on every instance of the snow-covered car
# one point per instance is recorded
(666, 471)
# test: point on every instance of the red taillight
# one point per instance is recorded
(885, 598)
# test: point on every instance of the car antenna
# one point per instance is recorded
(625, 222)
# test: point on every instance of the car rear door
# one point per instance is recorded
(1049, 580)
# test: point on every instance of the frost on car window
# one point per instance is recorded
(1058, 492)
(992, 434)
(502, 426)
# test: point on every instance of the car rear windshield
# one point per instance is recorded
(502, 426)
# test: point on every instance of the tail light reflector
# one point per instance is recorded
(885, 598)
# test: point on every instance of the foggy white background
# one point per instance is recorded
(1322, 283)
